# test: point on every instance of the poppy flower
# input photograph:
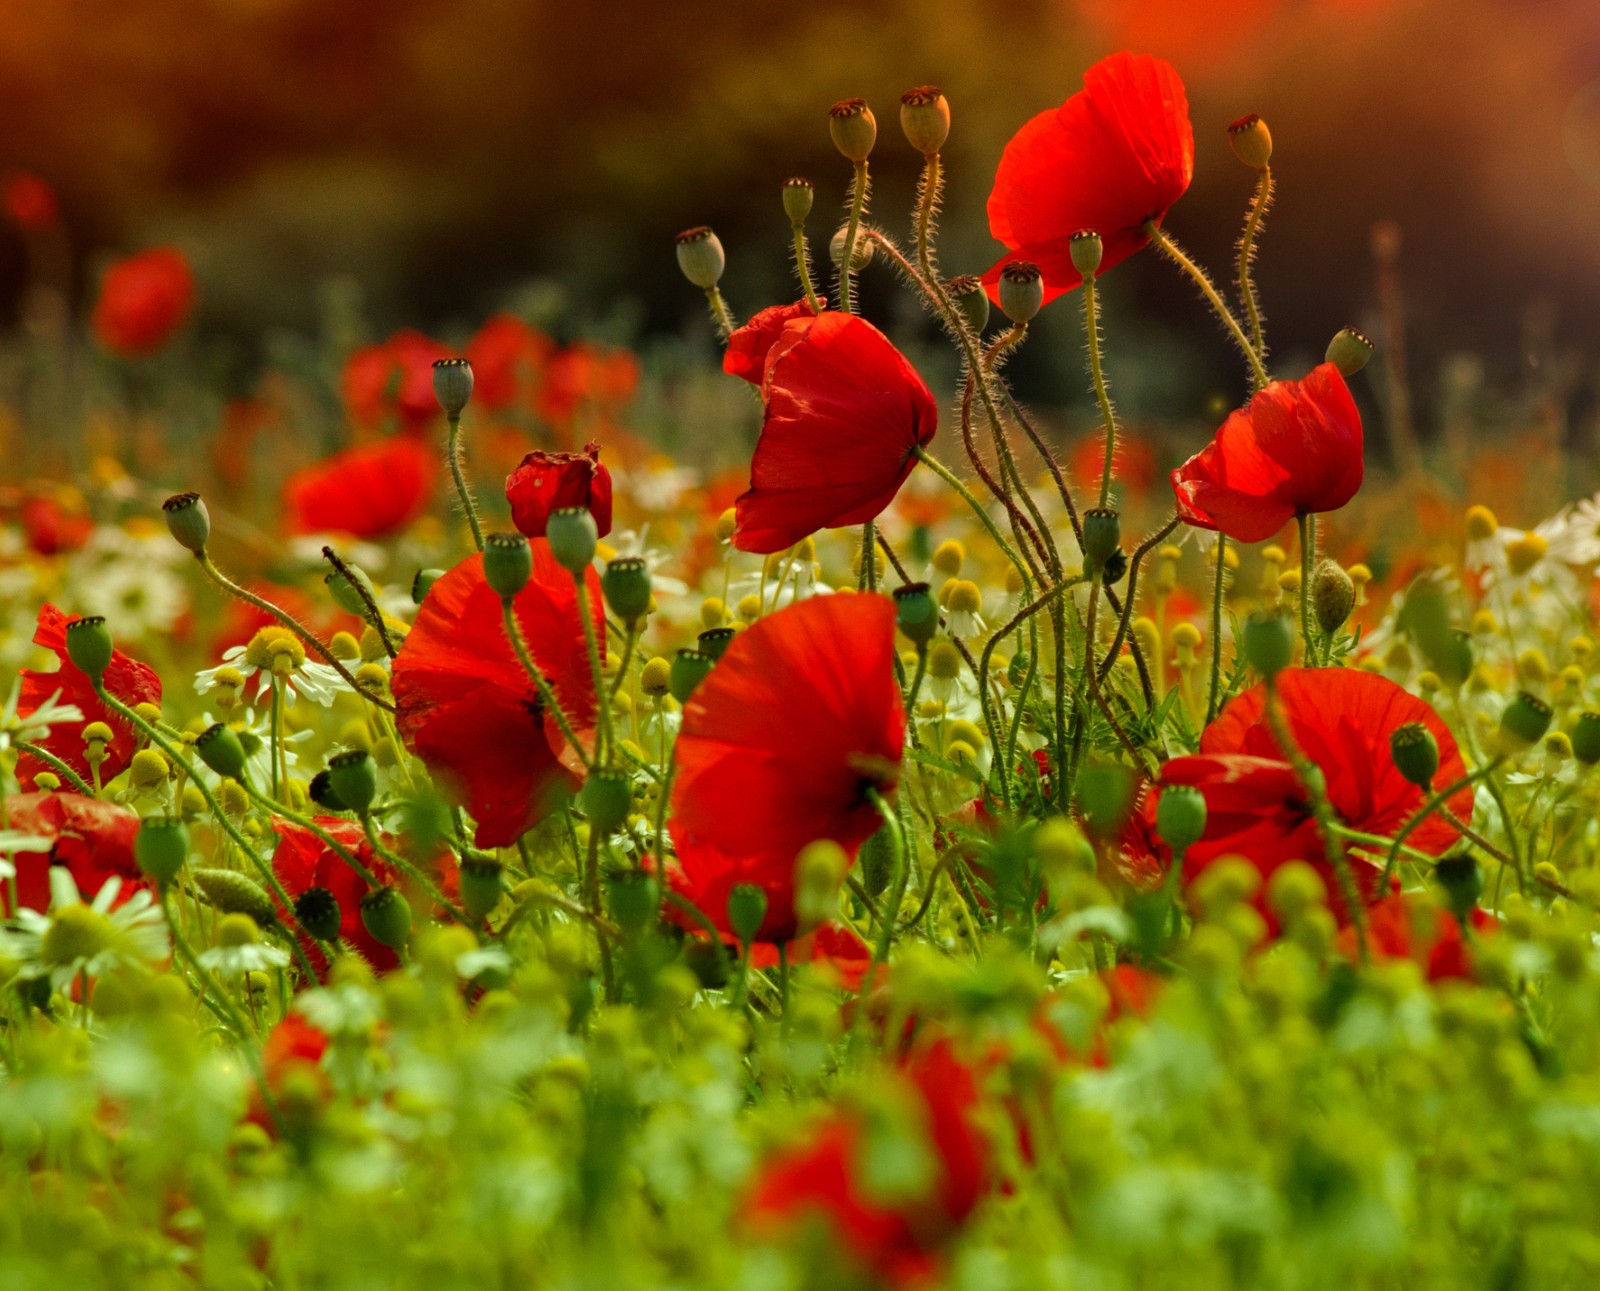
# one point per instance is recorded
(746, 355)
(780, 744)
(126, 679)
(370, 491)
(393, 381)
(507, 357)
(51, 528)
(93, 839)
(546, 482)
(295, 1045)
(29, 200)
(1295, 449)
(470, 712)
(1117, 153)
(1406, 925)
(144, 299)
(845, 412)
(302, 860)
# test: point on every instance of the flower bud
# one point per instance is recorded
(188, 520)
(1333, 595)
(819, 873)
(573, 536)
(386, 914)
(634, 899)
(353, 777)
(235, 893)
(148, 769)
(626, 585)
(860, 252)
(1462, 882)
(482, 885)
(423, 583)
(1180, 817)
(1525, 719)
(1102, 535)
(701, 257)
(1268, 643)
(1060, 849)
(655, 678)
(971, 300)
(220, 749)
(1586, 738)
(1415, 753)
(345, 593)
(161, 847)
(925, 118)
(1021, 291)
(321, 792)
(89, 645)
(1251, 141)
(747, 907)
(853, 127)
(605, 800)
(317, 911)
(798, 194)
(507, 564)
(1349, 351)
(1294, 888)
(1086, 251)
(452, 385)
(689, 669)
(916, 614)
(714, 642)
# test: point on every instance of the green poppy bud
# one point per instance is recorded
(1462, 881)
(798, 194)
(1268, 643)
(386, 914)
(344, 590)
(321, 792)
(482, 885)
(1415, 753)
(220, 749)
(507, 563)
(89, 645)
(1180, 817)
(1102, 536)
(916, 612)
(626, 585)
(188, 520)
(235, 893)
(1021, 291)
(161, 847)
(634, 898)
(701, 257)
(853, 127)
(317, 911)
(423, 583)
(747, 907)
(605, 800)
(925, 118)
(971, 300)
(1525, 719)
(1251, 141)
(1349, 351)
(1060, 849)
(1086, 251)
(861, 250)
(1333, 595)
(714, 642)
(452, 385)
(573, 536)
(353, 778)
(689, 669)
(1586, 738)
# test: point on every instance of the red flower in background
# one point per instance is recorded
(1294, 449)
(746, 355)
(52, 528)
(370, 491)
(508, 358)
(393, 381)
(302, 860)
(1117, 153)
(93, 839)
(1406, 925)
(779, 745)
(546, 482)
(143, 301)
(29, 200)
(845, 412)
(126, 679)
(469, 711)
(581, 377)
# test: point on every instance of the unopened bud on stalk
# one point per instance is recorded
(605, 800)
(188, 520)
(1268, 643)
(967, 294)
(925, 118)
(853, 127)
(1021, 291)
(1462, 882)
(1415, 753)
(1102, 536)
(353, 776)
(860, 253)
(89, 645)
(573, 537)
(344, 590)
(714, 642)
(916, 614)
(798, 195)
(220, 749)
(1333, 595)
(1349, 351)
(482, 885)
(1586, 738)
(747, 907)
(386, 914)
(235, 893)
(1251, 141)
(507, 563)
(626, 585)
(1180, 817)
(452, 385)
(819, 873)
(701, 257)
(423, 583)
(1087, 251)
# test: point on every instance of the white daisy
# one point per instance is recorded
(31, 728)
(74, 938)
(275, 651)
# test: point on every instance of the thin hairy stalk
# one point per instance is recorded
(1125, 611)
(1260, 204)
(859, 187)
(592, 642)
(1176, 254)
(721, 316)
(802, 264)
(414, 872)
(58, 766)
(1020, 524)
(1214, 696)
(1097, 376)
(469, 508)
(547, 694)
(374, 614)
(1080, 711)
(1307, 543)
(929, 190)
(945, 474)
(1435, 803)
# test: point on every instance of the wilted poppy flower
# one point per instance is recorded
(467, 708)
(126, 679)
(1117, 153)
(780, 744)
(93, 839)
(1294, 449)
(370, 491)
(29, 200)
(393, 381)
(845, 412)
(302, 860)
(746, 355)
(546, 482)
(143, 301)
(507, 358)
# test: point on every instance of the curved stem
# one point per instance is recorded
(413, 872)
(1176, 254)
(1260, 204)
(720, 315)
(468, 506)
(374, 614)
(1102, 394)
(858, 202)
(1434, 803)
(547, 694)
(1125, 612)
(592, 641)
(802, 262)
(58, 766)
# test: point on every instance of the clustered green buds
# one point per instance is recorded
(1349, 351)
(1251, 141)
(507, 563)
(1021, 291)
(925, 118)
(701, 257)
(853, 127)
(916, 612)
(1415, 753)
(188, 520)
(452, 385)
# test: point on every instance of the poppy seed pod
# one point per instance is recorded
(220, 749)
(235, 893)
(1086, 250)
(1333, 595)
(1268, 643)
(423, 583)
(1586, 738)
(689, 669)
(507, 564)
(1180, 817)
(1251, 141)
(161, 847)
(482, 885)
(916, 614)
(605, 800)
(321, 792)
(1349, 351)
(317, 911)
(1462, 882)
(353, 776)
(1102, 536)
(860, 253)
(925, 118)
(798, 195)
(344, 590)
(452, 385)
(1525, 719)
(1416, 753)
(573, 537)
(747, 907)
(386, 914)
(713, 642)
(967, 294)
(89, 645)
(701, 257)
(633, 898)
(853, 127)
(188, 521)
(1021, 291)
(626, 586)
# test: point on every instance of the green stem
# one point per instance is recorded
(1259, 205)
(858, 201)
(468, 506)
(592, 642)
(1307, 542)
(1102, 394)
(802, 261)
(944, 473)
(58, 766)
(1176, 254)
(414, 872)
(1216, 630)
(719, 312)
(547, 694)
(1433, 804)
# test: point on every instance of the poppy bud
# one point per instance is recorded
(714, 642)
(819, 873)
(573, 536)
(188, 520)
(925, 118)
(853, 127)
(220, 749)
(1525, 719)
(1415, 753)
(507, 563)
(1268, 643)
(700, 256)
(915, 612)
(626, 585)
(423, 583)
(320, 791)
(161, 847)
(482, 885)
(234, 893)
(1102, 535)
(353, 777)
(689, 669)
(634, 898)
(798, 194)
(605, 800)
(1086, 251)
(1349, 351)
(317, 911)
(386, 914)
(89, 645)
(1021, 291)
(970, 299)
(1462, 882)
(1180, 817)
(1060, 849)
(1333, 595)
(452, 385)
(860, 253)
(747, 907)
(1586, 738)
(1251, 141)
(344, 590)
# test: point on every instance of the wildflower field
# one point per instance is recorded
(452, 836)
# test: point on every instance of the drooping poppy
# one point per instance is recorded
(29, 200)
(467, 708)
(370, 491)
(93, 839)
(780, 745)
(126, 679)
(1294, 449)
(845, 414)
(746, 355)
(144, 300)
(302, 860)
(1117, 153)
(393, 381)
(546, 482)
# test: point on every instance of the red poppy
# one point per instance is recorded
(294, 1045)
(302, 860)
(371, 491)
(126, 679)
(1117, 153)
(1294, 449)
(51, 528)
(469, 711)
(143, 301)
(746, 355)
(29, 200)
(93, 839)
(779, 745)
(845, 412)
(1408, 926)
(1133, 463)
(546, 482)
(393, 381)
(507, 357)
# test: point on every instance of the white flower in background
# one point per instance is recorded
(274, 651)
(91, 940)
(1574, 533)
(659, 486)
(131, 575)
(307, 548)
(634, 544)
(240, 951)
(963, 608)
(35, 726)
